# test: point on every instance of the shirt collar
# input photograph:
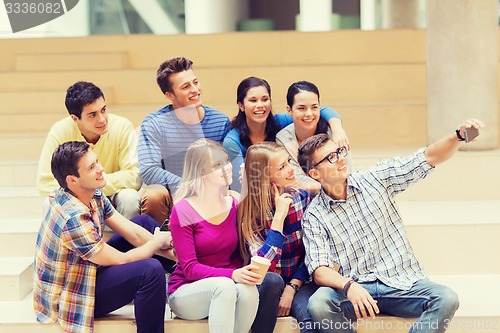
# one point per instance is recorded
(328, 201)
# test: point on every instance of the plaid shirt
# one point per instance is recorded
(364, 234)
(64, 279)
(286, 250)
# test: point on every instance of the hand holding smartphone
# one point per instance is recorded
(470, 133)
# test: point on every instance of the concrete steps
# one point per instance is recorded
(20, 202)
(447, 181)
(16, 278)
(338, 84)
(453, 237)
(31, 99)
(34, 62)
(26, 122)
(22, 146)
(21, 319)
(18, 172)
(31, 102)
(477, 311)
(389, 46)
(18, 236)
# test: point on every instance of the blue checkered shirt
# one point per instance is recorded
(364, 234)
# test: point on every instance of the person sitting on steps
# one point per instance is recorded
(77, 275)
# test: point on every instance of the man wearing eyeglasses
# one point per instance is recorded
(356, 246)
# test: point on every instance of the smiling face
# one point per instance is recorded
(281, 171)
(325, 172)
(90, 171)
(94, 120)
(186, 89)
(305, 111)
(256, 104)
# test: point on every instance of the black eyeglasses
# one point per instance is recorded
(333, 156)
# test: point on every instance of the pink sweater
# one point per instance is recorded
(204, 249)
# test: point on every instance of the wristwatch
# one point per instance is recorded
(294, 286)
(459, 136)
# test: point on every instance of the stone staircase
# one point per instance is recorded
(452, 217)
(455, 240)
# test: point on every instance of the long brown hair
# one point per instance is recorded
(255, 207)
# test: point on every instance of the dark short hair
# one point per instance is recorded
(81, 94)
(307, 149)
(65, 160)
(169, 67)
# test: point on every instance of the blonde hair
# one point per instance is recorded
(255, 208)
(197, 163)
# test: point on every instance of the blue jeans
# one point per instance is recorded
(270, 292)
(148, 223)
(141, 281)
(434, 305)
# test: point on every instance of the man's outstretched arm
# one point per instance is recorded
(445, 148)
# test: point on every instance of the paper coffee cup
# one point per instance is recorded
(263, 265)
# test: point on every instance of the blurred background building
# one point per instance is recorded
(96, 17)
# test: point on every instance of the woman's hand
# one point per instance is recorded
(245, 275)
(169, 254)
(339, 136)
(282, 201)
(172, 255)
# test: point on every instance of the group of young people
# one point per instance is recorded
(277, 186)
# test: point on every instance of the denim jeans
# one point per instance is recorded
(270, 292)
(141, 281)
(434, 305)
(150, 224)
(230, 307)
(299, 307)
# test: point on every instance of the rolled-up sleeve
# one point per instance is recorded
(316, 243)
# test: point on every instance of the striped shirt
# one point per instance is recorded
(64, 279)
(286, 250)
(364, 234)
(164, 140)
